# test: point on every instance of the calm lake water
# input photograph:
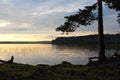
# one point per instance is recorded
(49, 54)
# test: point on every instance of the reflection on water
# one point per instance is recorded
(47, 53)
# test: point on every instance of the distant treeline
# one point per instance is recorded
(25, 42)
(90, 39)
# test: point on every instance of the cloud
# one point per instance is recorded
(6, 1)
(24, 37)
(4, 23)
(43, 16)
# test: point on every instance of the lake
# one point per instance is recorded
(50, 54)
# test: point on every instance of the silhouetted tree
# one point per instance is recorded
(101, 45)
(114, 4)
(83, 17)
(86, 17)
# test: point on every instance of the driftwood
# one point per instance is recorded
(113, 60)
(9, 61)
(3, 61)
(92, 58)
(116, 55)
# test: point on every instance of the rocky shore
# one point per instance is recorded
(64, 71)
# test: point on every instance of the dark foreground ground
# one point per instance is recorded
(63, 71)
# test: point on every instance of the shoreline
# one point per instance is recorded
(65, 71)
(42, 42)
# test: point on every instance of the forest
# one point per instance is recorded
(89, 39)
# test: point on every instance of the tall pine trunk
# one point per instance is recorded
(101, 45)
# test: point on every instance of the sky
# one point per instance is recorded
(36, 20)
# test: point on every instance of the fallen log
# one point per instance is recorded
(3, 61)
(9, 61)
(92, 58)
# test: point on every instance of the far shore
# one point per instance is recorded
(25, 42)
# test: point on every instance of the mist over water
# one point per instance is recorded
(50, 54)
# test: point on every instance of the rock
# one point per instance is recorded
(66, 63)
